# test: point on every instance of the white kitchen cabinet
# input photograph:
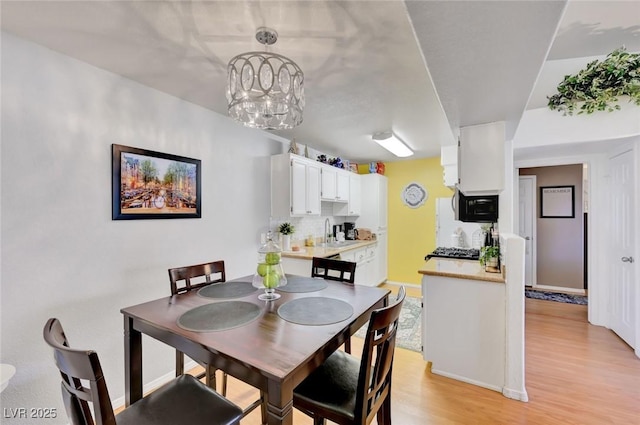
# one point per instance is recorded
(295, 186)
(481, 159)
(342, 186)
(374, 217)
(328, 184)
(354, 206)
(334, 184)
(449, 162)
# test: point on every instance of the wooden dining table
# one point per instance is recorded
(269, 352)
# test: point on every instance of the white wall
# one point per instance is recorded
(62, 255)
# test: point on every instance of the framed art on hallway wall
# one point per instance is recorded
(557, 202)
(150, 185)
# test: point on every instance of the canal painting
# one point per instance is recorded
(154, 185)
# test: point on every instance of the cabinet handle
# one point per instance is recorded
(627, 259)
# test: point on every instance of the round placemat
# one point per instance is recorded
(315, 311)
(231, 289)
(303, 284)
(219, 316)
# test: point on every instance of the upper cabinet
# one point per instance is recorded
(481, 159)
(353, 206)
(449, 162)
(295, 186)
(334, 184)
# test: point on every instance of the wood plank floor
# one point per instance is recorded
(576, 373)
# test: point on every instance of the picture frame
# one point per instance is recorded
(557, 202)
(154, 185)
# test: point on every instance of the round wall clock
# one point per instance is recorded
(414, 195)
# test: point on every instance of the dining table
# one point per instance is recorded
(270, 345)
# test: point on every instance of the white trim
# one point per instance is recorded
(467, 380)
(392, 282)
(560, 289)
(515, 394)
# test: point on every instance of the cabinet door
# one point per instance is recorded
(328, 184)
(382, 202)
(481, 162)
(355, 201)
(298, 188)
(313, 189)
(342, 187)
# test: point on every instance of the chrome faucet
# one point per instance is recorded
(327, 229)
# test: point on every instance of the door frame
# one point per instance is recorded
(534, 235)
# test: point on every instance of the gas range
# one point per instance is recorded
(462, 253)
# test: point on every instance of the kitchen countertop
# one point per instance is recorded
(308, 252)
(461, 269)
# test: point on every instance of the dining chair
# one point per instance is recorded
(190, 278)
(351, 391)
(331, 269)
(84, 390)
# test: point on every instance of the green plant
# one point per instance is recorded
(488, 252)
(286, 228)
(597, 87)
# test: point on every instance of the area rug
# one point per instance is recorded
(552, 296)
(409, 325)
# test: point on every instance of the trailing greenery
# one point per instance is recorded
(286, 229)
(488, 252)
(597, 87)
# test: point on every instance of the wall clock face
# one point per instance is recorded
(414, 195)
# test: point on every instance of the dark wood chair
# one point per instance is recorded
(351, 391)
(327, 268)
(183, 400)
(190, 278)
(341, 271)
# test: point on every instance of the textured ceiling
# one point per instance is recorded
(421, 68)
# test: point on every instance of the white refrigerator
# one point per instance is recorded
(374, 217)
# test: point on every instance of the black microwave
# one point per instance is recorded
(475, 209)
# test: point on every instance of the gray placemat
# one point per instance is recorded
(315, 311)
(303, 284)
(231, 289)
(219, 316)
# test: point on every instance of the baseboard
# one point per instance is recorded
(392, 282)
(515, 394)
(575, 291)
(467, 380)
(119, 402)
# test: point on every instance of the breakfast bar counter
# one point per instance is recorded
(460, 269)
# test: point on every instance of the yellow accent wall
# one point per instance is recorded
(412, 231)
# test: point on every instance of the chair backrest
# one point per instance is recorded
(327, 268)
(196, 276)
(374, 382)
(79, 368)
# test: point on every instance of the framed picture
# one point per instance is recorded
(557, 202)
(148, 185)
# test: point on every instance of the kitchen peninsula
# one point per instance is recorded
(473, 321)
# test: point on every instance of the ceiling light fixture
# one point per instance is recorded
(265, 90)
(392, 143)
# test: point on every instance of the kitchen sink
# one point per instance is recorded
(340, 244)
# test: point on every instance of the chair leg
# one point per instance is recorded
(224, 384)
(384, 413)
(210, 377)
(179, 363)
(263, 407)
(318, 421)
(347, 346)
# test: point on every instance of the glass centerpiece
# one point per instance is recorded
(269, 274)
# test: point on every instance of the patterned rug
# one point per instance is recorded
(409, 326)
(552, 296)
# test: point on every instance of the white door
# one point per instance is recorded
(623, 283)
(527, 225)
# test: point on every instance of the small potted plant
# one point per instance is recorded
(286, 230)
(489, 256)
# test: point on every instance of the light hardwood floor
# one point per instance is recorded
(576, 373)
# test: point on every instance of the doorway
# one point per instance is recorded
(554, 243)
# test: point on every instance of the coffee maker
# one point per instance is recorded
(349, 230)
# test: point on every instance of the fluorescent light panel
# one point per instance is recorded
(393, 144)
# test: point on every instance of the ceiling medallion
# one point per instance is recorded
(265, 90)
(414, 195)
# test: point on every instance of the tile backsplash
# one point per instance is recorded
(305, 226)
